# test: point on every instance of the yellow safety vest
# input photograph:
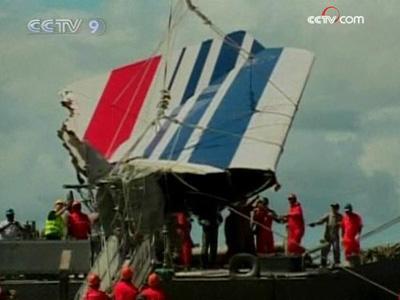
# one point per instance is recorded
(54, 227)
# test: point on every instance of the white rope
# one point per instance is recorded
(130, 150)
(175, 11)
(228, 133)
(235, 210)
(381, 228)
(232, 43)
(217, 30)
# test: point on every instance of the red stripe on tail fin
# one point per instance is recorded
(118, 109)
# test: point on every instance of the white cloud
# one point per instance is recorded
(384, 114)
(340, 137)
(381, 155)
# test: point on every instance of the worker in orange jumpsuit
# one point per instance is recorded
(351, 230)
(125, 289)
(78, 223)
(295, 226)
(264, 216)
(183, 230)
(94, 292)
(153, 291)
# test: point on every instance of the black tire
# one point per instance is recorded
(241, 261)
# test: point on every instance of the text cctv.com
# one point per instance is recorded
(336, 19)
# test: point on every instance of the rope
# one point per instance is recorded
(228, 133)
(146, 69)
(285, 237)
(236, 211)
(374, 231)
(381, 228)
(169, 25)
(217, 30)
(369, 281)
(165, 93)
(175, 142)
(128, 153)
(233, 44)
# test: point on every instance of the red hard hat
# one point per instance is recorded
(153, 280)
(127, 273)
(93, 280)
(76, 204)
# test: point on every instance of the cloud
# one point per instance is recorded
(34, 68)
(380, 156)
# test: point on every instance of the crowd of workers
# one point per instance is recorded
(249, 229)
(65, 220)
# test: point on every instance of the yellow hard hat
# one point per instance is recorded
(59, 201)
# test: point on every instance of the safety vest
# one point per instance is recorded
(54, 227)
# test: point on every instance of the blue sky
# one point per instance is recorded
(343, 147)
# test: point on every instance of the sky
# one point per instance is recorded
(344, 144)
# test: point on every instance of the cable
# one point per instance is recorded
(217, 30)
(381, 228)
(232, 43)
(231, 208)
(222, 132)
(165, 96)
(369, 281)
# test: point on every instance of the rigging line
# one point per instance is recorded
(381, 228)
(128, 153)
(369, 281)
(286, 96)
(249, 128)
(165, 93)
(154, 52)
(376, 230)
(216, 138)
(132, 100)
(184, 182)
(267, 125)
(231, 208)
(167, 45)
(148, 64)
(270, 112)
(223, 132)
(232, 43)
(175, 142)
(216, 29)
(284, 237)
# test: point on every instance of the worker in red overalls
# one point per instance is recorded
(264, 216)
(94, 292)
(295, 226)
(153, 291)
(79, 226)
(351, 230)
(125, 289)
(183, 228)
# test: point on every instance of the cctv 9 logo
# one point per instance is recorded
(97, 26)
(66, 26)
